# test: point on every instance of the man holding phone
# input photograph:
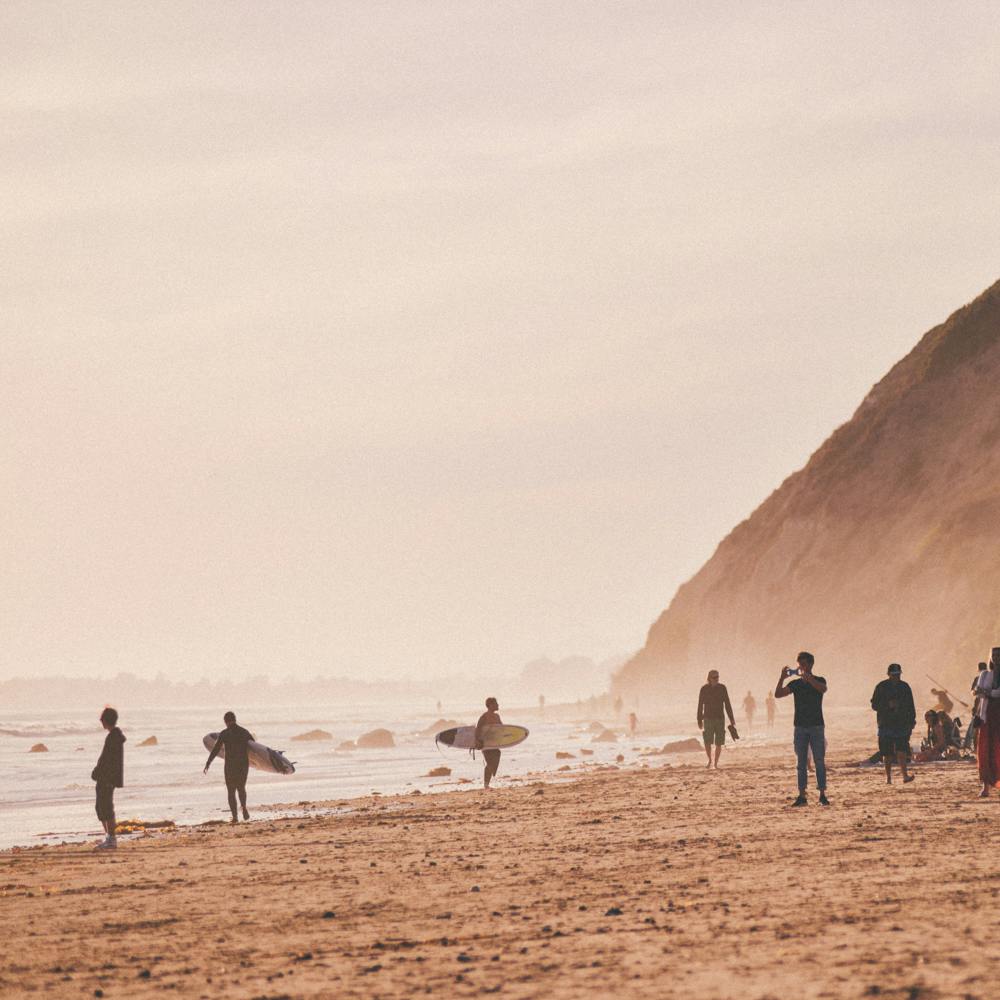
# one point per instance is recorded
(809, 729)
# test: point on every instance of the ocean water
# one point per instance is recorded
(49, 797)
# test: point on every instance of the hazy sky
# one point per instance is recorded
(398, 339)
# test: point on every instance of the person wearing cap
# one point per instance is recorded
(892, 701)
(713, 702)
(988, 739)
(809, 728)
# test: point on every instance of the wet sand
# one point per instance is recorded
(658, 882)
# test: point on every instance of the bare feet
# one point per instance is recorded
(908, 778)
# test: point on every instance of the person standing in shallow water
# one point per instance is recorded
(809, 728)
(713, 701)
(236, 741)
(892, 701)
(749, 707)
(492, 756)
(108, 775)
(769, 705)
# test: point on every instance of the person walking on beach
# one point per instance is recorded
(769, 704)
(749, 707)
(988, 736)
(108, 775)
(235, 740)
(713, 701)
(808, 726)
(491, 756)
(892, 702)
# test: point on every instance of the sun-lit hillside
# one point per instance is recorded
(884, 547)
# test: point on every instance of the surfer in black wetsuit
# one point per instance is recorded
(235, 740)
(492, 756)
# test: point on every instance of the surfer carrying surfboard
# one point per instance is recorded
(492, 757)
(235, 740)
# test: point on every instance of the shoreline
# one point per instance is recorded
(659, 881)
(558, 772)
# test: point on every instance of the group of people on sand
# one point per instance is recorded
(233, 744)
(892, 701)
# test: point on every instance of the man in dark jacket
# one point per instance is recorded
(892, 701)
(109, 775)
(235, 741)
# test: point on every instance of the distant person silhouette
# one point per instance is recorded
(236, 762)
(633, 722)
(769, 704)
(944, 703)
(109, 774)
(491, 756)
(808, 726)
(713, 706)
(541, 704)
(749, 707)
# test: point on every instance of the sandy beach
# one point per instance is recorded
(663, 881)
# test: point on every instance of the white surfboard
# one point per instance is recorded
(494, 737)
(261, 757)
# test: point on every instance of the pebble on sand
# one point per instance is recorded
(605, 736)
(562, 755)
(39, 748)
(439, 772)
(150, 741)
(347, 745)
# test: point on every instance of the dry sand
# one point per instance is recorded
(662, 882)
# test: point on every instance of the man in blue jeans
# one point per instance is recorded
(810, 732)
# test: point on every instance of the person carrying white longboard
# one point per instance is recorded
(235, 740)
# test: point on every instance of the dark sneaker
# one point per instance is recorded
(800, 801)
(823, 800)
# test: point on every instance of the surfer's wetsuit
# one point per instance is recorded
(237, 763)
(491, 757)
